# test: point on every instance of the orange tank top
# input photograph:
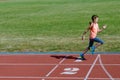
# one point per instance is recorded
(94, 30)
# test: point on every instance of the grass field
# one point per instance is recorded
(56, 25)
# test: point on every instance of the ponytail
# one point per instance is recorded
(90, 23)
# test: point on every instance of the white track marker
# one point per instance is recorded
(69, 71)
(101, 64)
(78, 60)
(55, 67)
(86, 77)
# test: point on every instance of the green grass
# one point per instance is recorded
(56, 25)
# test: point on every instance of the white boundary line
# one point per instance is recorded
(69, 78)
(111, 78)
(25, 64)
(9, 77)
(86, 77)
(31, 77)
(55, 67)
(102, 78)
(46, 64)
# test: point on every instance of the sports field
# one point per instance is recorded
(56, 25)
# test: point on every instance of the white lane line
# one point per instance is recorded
(47, 64)
(25, 64)
(101, 64)
(69, 78)
(86, 77)
(55, 67)
(102, 78)
(20, 77)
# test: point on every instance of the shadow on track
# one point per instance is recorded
(63, 56)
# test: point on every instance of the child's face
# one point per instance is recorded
(96, 20)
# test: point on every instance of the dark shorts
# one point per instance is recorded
(91, 42)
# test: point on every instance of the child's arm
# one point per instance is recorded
(84, 33)
(90, 26)
(104, 27)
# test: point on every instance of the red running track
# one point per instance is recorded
(59, 67)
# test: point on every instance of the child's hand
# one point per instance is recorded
(83, 37)
(104, 27)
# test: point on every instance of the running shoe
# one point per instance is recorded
(81, 57)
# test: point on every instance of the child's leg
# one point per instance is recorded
(86, 50)
(82, 54)
(91, 42)
(100, 42)
(97, 45)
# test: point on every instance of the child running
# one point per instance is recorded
(93, 29)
